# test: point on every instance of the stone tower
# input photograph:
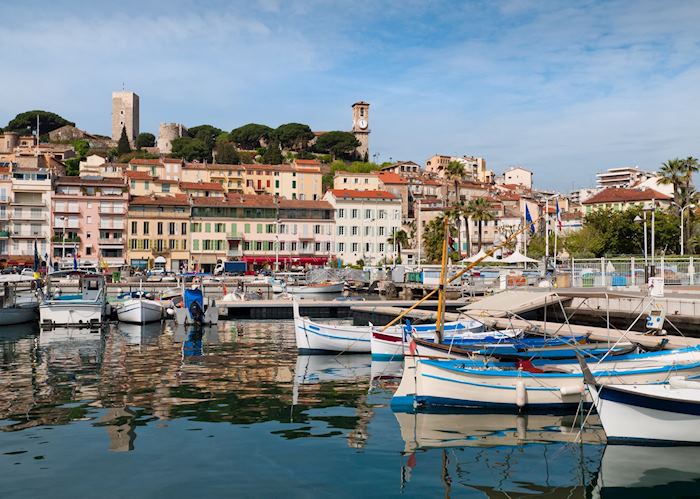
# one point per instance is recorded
(360, 128)
(125, 113)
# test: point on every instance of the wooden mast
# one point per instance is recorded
(440, 324)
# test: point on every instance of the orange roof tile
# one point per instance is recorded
(136, 175)
(623, 195)
(153, 200)
(372, 194)
(392, 178)
(201, 186)
(142, 161)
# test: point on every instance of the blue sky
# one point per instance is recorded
(563, 88)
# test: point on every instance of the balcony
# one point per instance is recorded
(4, 234)
(111, 224)
(164, 252)
(28, 202)
(66, 209)
(68, 239)
(23, 215)
(111, 241)
(112, 211)
(4, 200)
(60, 225)
(29, 235)
(235, 237)
(235, 252)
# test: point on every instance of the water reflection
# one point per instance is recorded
(143, 388)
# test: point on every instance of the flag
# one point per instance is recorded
(36, 261)
(528, 220)
(75, 257)
(412, 346)
(559, 226)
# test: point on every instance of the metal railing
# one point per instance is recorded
(630, 271)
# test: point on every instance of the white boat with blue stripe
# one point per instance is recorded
(464, 383)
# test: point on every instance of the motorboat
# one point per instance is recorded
(19, 308)
(87, 307)
(317, 288)
(195, 308)
(139, 307)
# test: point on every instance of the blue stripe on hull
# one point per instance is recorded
(536, 408)
(649, 442)
(649, 402)
(386, 356)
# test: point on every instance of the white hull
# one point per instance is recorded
(446, 383)
(19, 314)
(649, 412)
(140, 311)
(71, 313)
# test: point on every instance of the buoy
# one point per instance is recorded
(520, 394)
(571, 389)
(169, 311)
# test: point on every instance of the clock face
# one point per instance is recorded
(362, 123)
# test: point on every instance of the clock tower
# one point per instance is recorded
(360, 128)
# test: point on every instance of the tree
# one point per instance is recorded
(294, 136)
(354, 167)
(480, 211)
(251, 136)
(400, 240)
(82, 147)
(190, 149)
(338, 144)
(145, 139)
(227, 153)
(123, 145)
(72, 167)
(455, 171)
(205, 133)
(273, 155)
(673, 172)
(433, 237)
(25, 123)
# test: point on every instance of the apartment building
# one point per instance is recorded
(261, 230)
(30, 211)
(5, 191)
(89, 220)
(289, 181)
(157, 231)
(364, 222)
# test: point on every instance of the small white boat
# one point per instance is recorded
(87, 307)
(140, 308)
(466, 383)
(18, 308)
(317, 288)
(667, 412)
(315, 337)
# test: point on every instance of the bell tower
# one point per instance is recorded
(360, 128)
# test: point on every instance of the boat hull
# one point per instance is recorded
(455, 384)
(18, 314)
(319, 289)
(140, 311)
(648, 414)
(68, 313)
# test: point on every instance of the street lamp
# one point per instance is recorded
(63, 245)
(638, 219)
(683, 208)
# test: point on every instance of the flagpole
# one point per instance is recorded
(546, 236)
(556, 236)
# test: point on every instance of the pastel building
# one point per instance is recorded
(364, 222)
(261, 230)
(157, 232)
(30, 211)
(89, 220)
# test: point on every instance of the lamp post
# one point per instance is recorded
(683, 208)
(638, 219)
(63, 245)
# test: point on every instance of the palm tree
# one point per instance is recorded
(400, 240)
(480, 210)
(455, 171)
(674, 172)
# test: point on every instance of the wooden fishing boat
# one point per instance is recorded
(315, 337)
(460, 383)
(139, 308)
(668, 412)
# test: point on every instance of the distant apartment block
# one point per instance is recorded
(622, 177)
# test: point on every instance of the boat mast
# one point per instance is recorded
(439, 325)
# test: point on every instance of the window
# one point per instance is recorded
(382, 214)
(354, 213)
(172, 244)
(341, 230)
(270, 228)
(282, 246)
(381, 231)
(195, 244)
(134, 227)
(368, 230)
(171, 228)
(146, 185)
(318, 247)
(145, 228)
(220, 228)
(368, 214)
(160, 228)
(166, 187)
(184, 228)
(259, 228)
(294, 246)
(368, 247)
(294, 184)
(381, 247)
(246, 228)
(133, 184)
(354, 230)
(277, 184)
(341, 247)
(354, 247)
(207, 227)
(258, 245)
(341, 213)
(328, 247)
(88, 219)
(88, 250)
(317, 229)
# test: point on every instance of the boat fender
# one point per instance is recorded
(571, 389)
(170, 311)
(520, 394)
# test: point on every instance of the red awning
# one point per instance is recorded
(311, 260)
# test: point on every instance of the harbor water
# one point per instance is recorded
(232, 410)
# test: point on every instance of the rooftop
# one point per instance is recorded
(153, 200)
(371, 194)
(623, 195)
(201, 186)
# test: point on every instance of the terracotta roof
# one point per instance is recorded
(307, 162)
(268, 167)
(153, 200)
(308, 169)
(237, 200)
(165, 181)
(508, 196)
(392, 178)
(305, 203)
(108, 181)
(623, 195)
(195, 166)
(201, 186)
(346, 193)
(136, 175)
(223, 166)
(172, 160)
(142, 161)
